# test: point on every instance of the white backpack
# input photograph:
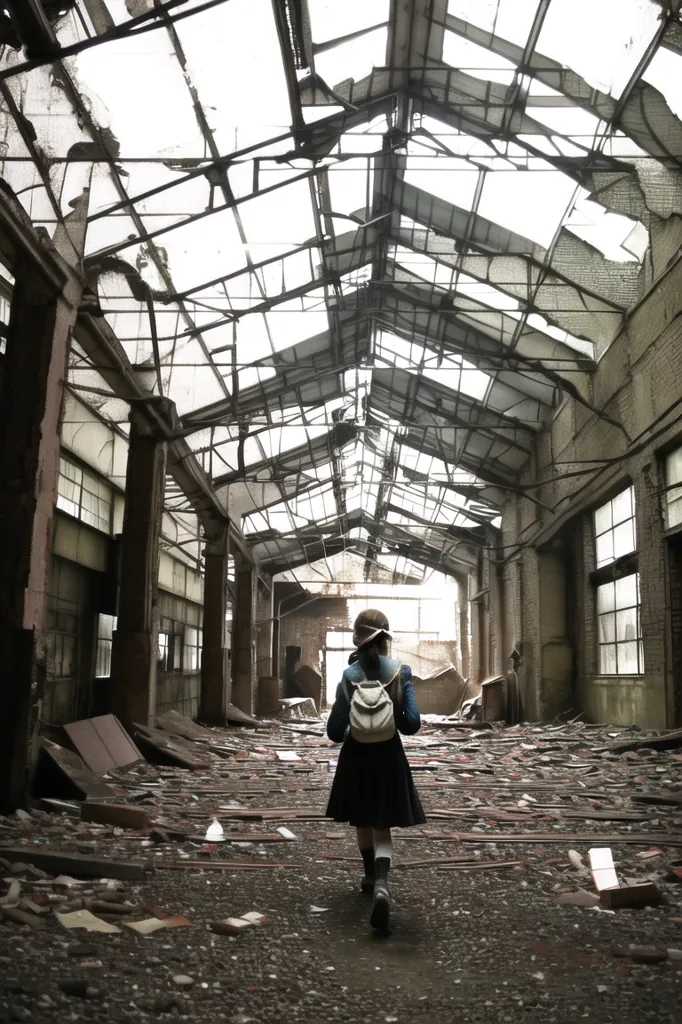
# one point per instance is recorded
(372, 712)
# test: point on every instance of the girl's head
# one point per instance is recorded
(370, 636)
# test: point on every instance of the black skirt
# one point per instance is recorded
(373, 787)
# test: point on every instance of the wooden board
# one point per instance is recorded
(219, 865)
(178, 725)
(119, 815)
(102, 743)
(170, 748)
(76, 771)
(76, 865)
(238, 717)
(613, 839)
(665, 741)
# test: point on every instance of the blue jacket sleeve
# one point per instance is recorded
(339, 716)
(408, 719)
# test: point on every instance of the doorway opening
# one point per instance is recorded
(292, 659)
(338, 648)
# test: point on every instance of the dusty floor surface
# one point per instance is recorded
(466, 945)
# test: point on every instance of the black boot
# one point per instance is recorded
(381, 907)
(367, 883)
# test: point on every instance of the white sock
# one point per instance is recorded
(383, 844)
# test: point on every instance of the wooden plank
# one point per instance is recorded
(170, 748)
(238, 717)
(76, 865)
(218, 865)
(120, 815)
(489, 865)
(79, 775)
(646, 839)
(664, 741)
(179, 725)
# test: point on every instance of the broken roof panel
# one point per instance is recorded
(364, 247)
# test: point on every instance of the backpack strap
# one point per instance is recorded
(394, 687)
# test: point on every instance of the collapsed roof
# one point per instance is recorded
(365, 248)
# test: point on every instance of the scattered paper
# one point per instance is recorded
(319, 910)
(288, 755)
(146, 927)
(286, 833)
(253, 917)
(603, 869)
(88, 921)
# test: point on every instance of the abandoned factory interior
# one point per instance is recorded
(341, 362)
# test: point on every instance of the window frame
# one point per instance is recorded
(90, 483)
(671, 491)
(170, 652)
(614, 526)
(609, 574)
(188, 647)
(615, 643)
(104, 645)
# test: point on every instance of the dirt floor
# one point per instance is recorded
(481, 944)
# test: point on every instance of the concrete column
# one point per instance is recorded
(463, 624)
(215, 682)
(135, 644)
(648, 701)
(264, 629)
(557, 674)
(35, 365)
(244, 636)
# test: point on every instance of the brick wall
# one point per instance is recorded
(638, 382)
(307, 628)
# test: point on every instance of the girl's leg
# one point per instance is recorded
(383, 844)
(383, 851)
(366, 845)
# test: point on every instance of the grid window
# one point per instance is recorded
(62, 644)
(106, 624)
(5, 310)
(192, 653)
(82, 495)
(673, 497)
(170, 646)
(619, 627)
(163, 651)
(614, 528)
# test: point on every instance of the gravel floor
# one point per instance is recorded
(481, 946)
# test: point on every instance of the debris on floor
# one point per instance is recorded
(144, 875)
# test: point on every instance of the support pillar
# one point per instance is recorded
(135, 644)
(557, 690)
(244, 636)
(215, 681)
(264, 624)
(35, 366)
(463, 625)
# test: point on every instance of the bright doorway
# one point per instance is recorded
(338, 649)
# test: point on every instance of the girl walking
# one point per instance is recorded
(373, 787)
